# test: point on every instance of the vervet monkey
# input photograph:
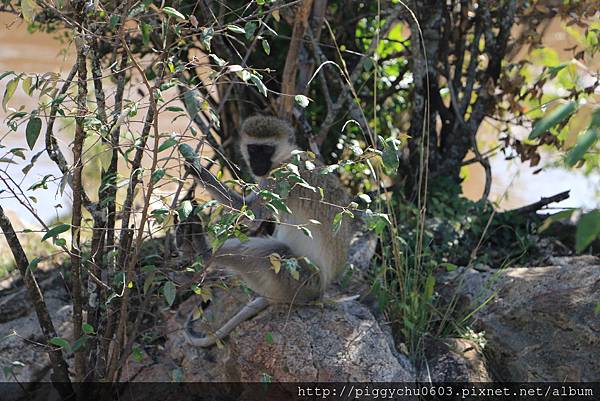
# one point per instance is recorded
(268, 143)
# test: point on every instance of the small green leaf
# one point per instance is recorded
(259, 84)
(249, 29)
(584, 142)
(136, 354)
(588, 229)
(32, 132)
(429, 286)
(146, 30)
(167, 144)
(235, 28)
(337, 222)
(173, 13)
(29, 9)
(390, 158)
(11, 86)
(113, 21)
(266, 46)
(55, 231)
(185, 209)
(565, 214)
(269, 337)
(34, 264)
(306, 231)
(60, 342)
(157, 175)
(87, 328)
(302, 100)
(169, 292)
(174, 108)
(553, 118)
(27, 84)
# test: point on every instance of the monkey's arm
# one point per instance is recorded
(219, 191)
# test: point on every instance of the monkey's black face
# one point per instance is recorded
(260, 158)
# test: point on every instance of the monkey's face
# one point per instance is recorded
(261, 158)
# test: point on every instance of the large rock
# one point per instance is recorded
(21, 338)
(541, 323)
(336, 342)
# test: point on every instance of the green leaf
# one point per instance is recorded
(136, 354)
(259, 84)
(80, 343)
(269, 337)
(173, 13)
(157, 175)
(185, 209)
(87, 328)
(167, 144)
(60, 342)
(266, 46)
(337, 222)
(169, 292)
(565, 214)
(390, 159)
(553, 118)
(27, 84)
(429, 286)
(174, 108)
(34, 264)
(32, 132)
(235, 28)
(249, 29)
(306, 232)
(11, 86)
(55, 231)
(113, 21)
(302, 100)
(5, 74)
(588, 229)
(146, 30)
(584, 142)
(279, 205)
(28, 9)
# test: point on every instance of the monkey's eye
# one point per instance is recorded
(255, 150)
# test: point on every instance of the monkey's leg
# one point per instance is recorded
(248, 311)
(252, 261)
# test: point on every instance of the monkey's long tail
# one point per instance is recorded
(249, 310)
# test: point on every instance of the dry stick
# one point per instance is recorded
(60, 372)
(52, 148)
(288, 79)
(115, 366)
(111, 206)
(544, 201)
(348, 89)
(76, 217)
(125, 239)
(96, 265)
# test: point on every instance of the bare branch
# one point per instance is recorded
(60, 371)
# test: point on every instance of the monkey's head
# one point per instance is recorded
(265, 143)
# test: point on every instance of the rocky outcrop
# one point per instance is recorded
(540, 323)
(335, 342)
(21, 339)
